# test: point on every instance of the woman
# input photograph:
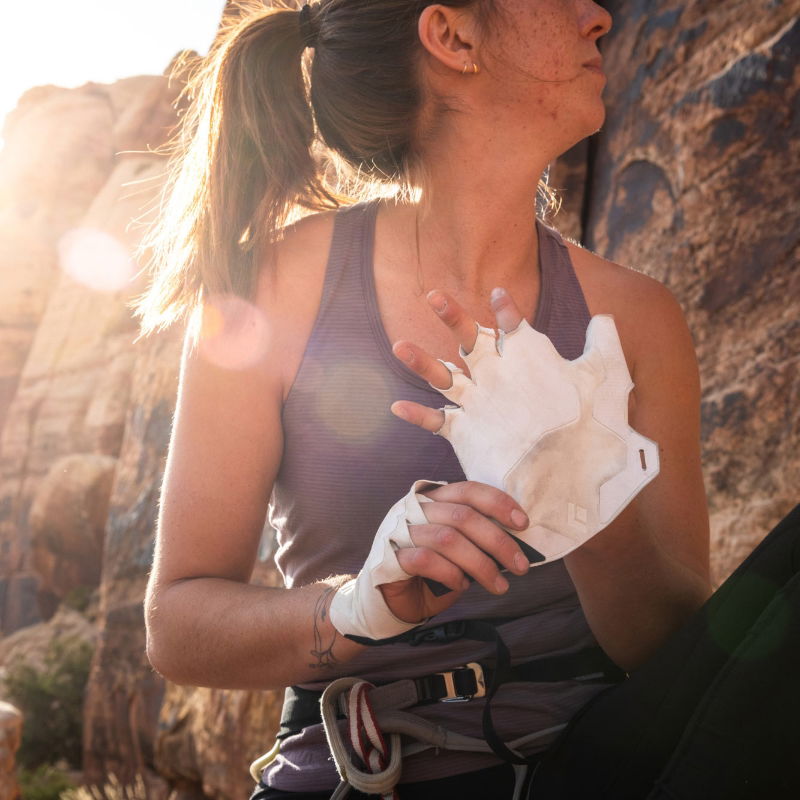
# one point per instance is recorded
(470, 101)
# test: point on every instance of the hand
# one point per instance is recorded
(464, 330)
(461, 539)
(553, 433)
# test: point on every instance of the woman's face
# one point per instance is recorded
(545, 65)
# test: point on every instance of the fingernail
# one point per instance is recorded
(439, 303)
(501, 584)
(400, 412)
(498, 293)
(519, 519)
(407, 356)
(520, 562)
(464, 584)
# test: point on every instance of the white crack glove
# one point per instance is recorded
(358, 607)
(552, 433)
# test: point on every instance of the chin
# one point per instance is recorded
(594, 121)
(598, 115)
(593, 124)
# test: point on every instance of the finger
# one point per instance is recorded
(485, 534)
(491, 502)
(506, 313)
(424, 563)
(427, 367)
(460, 323)
(456, 548)
(431, 419)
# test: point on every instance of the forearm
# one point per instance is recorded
(634, 594)
(225, 634)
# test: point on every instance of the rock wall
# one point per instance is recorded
(10, 737)
(71, 374)
(694, 179)
(85, 425)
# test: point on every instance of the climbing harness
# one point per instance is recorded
(367, 721)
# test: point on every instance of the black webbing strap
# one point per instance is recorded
(445, 633)
(301, 706)
(486, 632)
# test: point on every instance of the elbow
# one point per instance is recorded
(159, 638)
(158, 655)
(155, 657)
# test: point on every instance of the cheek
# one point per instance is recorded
(540, 41)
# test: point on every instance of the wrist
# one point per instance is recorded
(358, 607)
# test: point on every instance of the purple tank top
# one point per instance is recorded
(347, 460)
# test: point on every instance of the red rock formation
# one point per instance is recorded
(694, 179)
(67, 521)
(71, 395)
(10, 737)
(29, 645)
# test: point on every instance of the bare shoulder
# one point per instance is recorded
(612, 287)
(649, 319)
(290, 289)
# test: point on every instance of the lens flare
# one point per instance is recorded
(95, 259)
(353, 402)
(234, 334)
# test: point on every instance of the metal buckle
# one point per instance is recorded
(450, 686)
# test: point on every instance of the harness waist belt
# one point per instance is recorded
(470, 681)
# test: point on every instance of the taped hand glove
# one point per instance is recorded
(552, 433)
(358, 607)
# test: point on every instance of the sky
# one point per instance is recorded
(70, 42)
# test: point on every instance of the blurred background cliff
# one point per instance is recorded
(694, 179)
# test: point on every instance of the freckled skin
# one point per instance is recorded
(536, 59)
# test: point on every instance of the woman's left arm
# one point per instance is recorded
(641, 577)
(646, 573)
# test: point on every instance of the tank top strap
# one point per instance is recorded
(562, 312)
(352, 228)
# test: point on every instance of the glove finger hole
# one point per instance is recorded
(448, 415)
(485, 344)
(460, 383)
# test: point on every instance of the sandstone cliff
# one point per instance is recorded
(694, 179)
(85, 413)
(10, 735)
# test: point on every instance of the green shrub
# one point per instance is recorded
(78, 597)
(51, 700)
(113, 790)
(46, 782)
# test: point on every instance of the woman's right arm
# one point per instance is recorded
(206, 625)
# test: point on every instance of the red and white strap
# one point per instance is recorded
(366, 738)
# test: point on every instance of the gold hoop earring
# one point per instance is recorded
(474, 68)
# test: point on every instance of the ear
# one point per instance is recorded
(449, 35)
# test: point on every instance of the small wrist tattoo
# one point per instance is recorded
(323, 650)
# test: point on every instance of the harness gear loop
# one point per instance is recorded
(375, 714)
(366, 738)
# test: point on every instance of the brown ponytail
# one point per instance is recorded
(245, 159)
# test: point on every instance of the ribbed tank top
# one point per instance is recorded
(347, 460)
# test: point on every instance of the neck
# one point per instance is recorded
(475, 226)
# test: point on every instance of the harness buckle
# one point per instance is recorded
(474, 671)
